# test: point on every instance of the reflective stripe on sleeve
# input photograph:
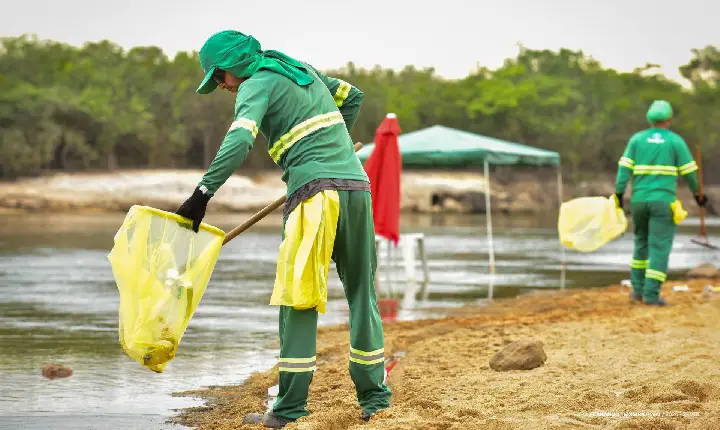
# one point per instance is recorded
(627, 162)
(688, 168)
(245, 123)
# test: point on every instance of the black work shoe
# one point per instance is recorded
(366, 416)
(636, 297)
(659, 302)
(267, 419)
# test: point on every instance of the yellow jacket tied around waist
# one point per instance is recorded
(306, 252)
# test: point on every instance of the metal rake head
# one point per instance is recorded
(703, 241)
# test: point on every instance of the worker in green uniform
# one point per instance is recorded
(306, 117)
(654, 158)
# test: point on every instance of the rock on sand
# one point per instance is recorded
(706, 270)
(524, 354)
(53, 371)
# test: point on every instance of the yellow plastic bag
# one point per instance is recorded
(305, 253)
(587, 223)
(161, 269)
(679, 213)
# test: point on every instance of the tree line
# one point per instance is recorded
(100, 107)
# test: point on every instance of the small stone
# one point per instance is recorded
(706, 270)
(524, 354)
(54, 371)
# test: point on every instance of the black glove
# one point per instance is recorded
(620, 199)
(701, 201)
(194, 208)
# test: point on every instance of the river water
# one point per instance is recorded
(59, 304)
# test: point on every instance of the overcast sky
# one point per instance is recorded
(450, 35)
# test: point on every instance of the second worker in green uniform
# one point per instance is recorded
(654, 158)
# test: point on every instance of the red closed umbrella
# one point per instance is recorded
(384, 167)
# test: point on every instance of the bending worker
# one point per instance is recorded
(654, 158)
(305, 117)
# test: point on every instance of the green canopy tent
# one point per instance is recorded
(444, 147)
(440, 146)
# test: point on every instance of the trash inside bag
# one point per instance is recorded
(587, 223)
(305, 253)
(161, 268)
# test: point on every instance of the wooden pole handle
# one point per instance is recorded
(698, 161)
(699, 171)
(264, 212)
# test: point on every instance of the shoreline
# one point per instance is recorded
(610, 364)
(432, 191)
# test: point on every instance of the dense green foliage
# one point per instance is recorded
(101, 107)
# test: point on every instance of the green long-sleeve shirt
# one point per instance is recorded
(307, 129)
(654, 158)
(347, 98)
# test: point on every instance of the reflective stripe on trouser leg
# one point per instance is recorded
(641, 220)
(660, 240)
(637, 275)
(639, 264)
(364, 357)
(354, 256)
(653, 283)
(295, 365)
(298, 331)
(657, 275)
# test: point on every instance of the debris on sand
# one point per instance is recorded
(524, 354)
(707, 270)
(54, 371)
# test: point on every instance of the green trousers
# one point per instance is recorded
(654, 234)
(355, 259)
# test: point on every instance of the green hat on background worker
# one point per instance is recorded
(659, 111)
(241, 55)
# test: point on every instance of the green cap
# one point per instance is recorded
(213, 52)
(659, 111)
(241, 55)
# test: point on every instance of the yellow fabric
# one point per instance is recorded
(161, 269)
(679, 213)
(342, 92)
(587, 223)
(305, 253)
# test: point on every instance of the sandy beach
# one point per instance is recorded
(611, 364)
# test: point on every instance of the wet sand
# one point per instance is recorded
(611, 364)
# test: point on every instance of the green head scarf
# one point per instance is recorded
(659, 111)
(241, 55)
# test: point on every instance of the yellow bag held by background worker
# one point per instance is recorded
(679, 213)
(161, 268)
(587, 223)
(306, 252)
